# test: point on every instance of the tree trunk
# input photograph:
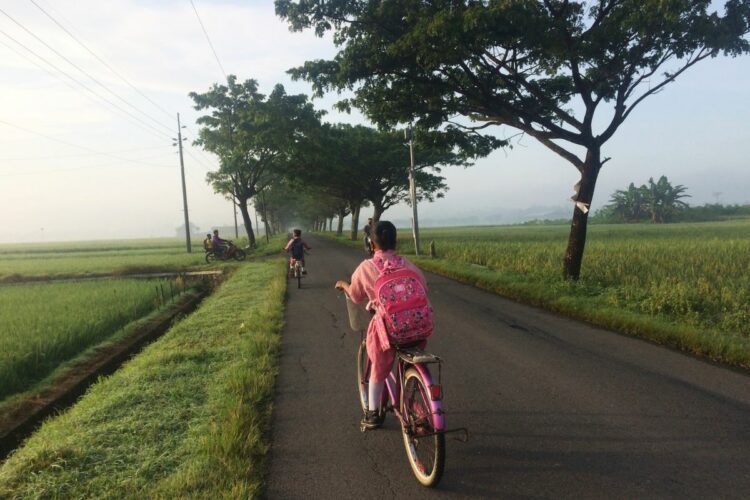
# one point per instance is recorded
(330, 224)
(340, 227)
(248, 224)
(577, 238)
(355, 221)
(377, 212)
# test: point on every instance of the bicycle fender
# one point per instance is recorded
(436, 407)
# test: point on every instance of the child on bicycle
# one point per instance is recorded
(361, 289)
(297, 246)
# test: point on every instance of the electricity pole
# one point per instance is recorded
(184, 190)
(409, 136)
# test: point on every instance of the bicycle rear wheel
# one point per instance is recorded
(425, 448)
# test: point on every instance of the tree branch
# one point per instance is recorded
(702, 54)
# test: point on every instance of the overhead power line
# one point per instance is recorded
(80, 155)
(130, 115)
(83, 71)
(23, 56)
(216, 56)
(105, 63)
(61, 141)
(83, 167)
(199, 161)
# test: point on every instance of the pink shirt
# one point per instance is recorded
(363, 280)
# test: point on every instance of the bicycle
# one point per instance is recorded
(413, 397)
(295, 271)
(368, 248)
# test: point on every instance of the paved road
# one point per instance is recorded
(556, 408)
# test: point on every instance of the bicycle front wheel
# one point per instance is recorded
(425, 448)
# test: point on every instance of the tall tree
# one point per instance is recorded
(252, 135)
(567, 73)
(385, 159)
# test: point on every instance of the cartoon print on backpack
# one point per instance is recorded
(403, 306)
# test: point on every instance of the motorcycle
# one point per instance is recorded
(231, 251)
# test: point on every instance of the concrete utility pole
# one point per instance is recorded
(184, 190)
(409, 136)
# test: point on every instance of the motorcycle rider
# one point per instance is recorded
(219, 245)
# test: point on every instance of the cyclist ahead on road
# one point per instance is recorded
(297, 246)
(370, 273)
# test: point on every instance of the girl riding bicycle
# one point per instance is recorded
(361, 289)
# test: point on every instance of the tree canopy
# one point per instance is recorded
(253, 136)
(564, 72)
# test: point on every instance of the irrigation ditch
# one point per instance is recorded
(23, 417)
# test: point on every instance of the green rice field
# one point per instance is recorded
(44, 325)
(76, 258)
(699, 273)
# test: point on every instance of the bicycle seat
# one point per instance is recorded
(415, 355)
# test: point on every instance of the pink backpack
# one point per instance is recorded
(401, 305)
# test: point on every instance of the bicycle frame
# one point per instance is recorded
(394, 386)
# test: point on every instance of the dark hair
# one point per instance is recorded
(297, 232)
(384, 235)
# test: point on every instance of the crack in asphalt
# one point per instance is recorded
(301, 365)
(376, 469)
(335, 323)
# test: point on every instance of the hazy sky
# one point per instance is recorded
(74, 167)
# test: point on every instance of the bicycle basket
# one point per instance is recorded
(359, 318)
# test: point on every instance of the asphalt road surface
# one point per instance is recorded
(556, 408)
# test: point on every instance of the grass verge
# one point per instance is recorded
(187, 417)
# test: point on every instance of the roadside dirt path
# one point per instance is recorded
(556, 408)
